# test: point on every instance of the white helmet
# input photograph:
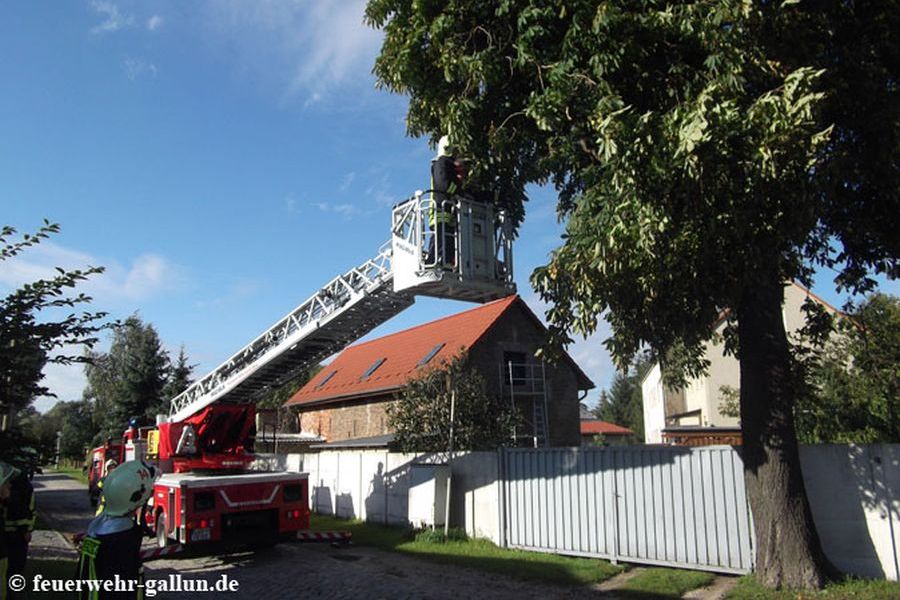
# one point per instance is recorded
(443, 148)
(128, 487)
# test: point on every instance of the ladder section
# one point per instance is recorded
(525, 385)
(344, 310)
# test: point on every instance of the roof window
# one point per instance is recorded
(430, 354)
(372, 369)
(327, 379)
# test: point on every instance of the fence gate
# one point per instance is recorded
(662, 505)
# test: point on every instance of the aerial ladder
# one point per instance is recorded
(352, 304)
(204, 445)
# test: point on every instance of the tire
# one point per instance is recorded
(162, 536)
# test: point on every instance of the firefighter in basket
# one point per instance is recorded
(112, 544)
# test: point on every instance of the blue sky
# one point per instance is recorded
(222, 159)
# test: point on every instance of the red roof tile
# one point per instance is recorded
(593, 427)
(401, 351)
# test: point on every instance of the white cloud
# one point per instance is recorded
(114, 19)
(147, 276)
(380, 189)
(347, 210)
(136, 68)
(119, 287)
(154, 23)
(310, 47)
(66, 381)
(347, 181)
(237, 291)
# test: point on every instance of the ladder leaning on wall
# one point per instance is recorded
(522, 383)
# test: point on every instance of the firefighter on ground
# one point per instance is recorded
(108, 467)
(447, 175)
(7, 473)
(112, 544)
(18, 518)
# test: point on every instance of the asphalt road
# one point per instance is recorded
(63, 502)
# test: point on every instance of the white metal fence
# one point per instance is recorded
(643, 504)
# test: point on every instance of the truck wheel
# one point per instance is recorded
(162, 537)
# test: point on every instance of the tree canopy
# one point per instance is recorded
(703, 153)
(854, 378)
(623, 404)
(133, 378)
(40, 324)
(420, 416)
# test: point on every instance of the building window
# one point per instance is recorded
(372, 369)
(326, 380)
(514, 363)
(430, 355)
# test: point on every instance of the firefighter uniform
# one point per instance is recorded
(112, 547)
(446, 182)
(7, 473)
(18, 523)
(113, 542)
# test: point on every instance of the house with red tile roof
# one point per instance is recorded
(612, 433)
(345, 402)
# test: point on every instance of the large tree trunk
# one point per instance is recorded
(788, 552)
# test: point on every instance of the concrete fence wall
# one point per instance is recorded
(854, 492)
(373, 485)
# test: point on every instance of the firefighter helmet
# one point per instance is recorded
(443, 148)
(127, 487)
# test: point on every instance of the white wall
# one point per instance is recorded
(374, 485)
(654, 406)
(854, 493)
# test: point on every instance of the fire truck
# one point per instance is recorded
(204, 447)
(96, 466)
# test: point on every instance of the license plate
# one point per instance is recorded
(201, 535)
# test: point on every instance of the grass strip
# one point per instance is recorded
(475, 553)
(748, 588)
(74, 473)
(667, 583)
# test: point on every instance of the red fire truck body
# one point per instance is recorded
(207, 492)
(191, 508)
(96, 466)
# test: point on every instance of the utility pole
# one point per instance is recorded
(449, 456)
(58, 445)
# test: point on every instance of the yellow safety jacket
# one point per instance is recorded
(443, 187)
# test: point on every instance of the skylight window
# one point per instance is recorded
(327, 379)
(372, 369)
(430, 354)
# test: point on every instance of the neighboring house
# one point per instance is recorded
(592, 426)
(612, 434)
(694, 413)
(346, 401)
